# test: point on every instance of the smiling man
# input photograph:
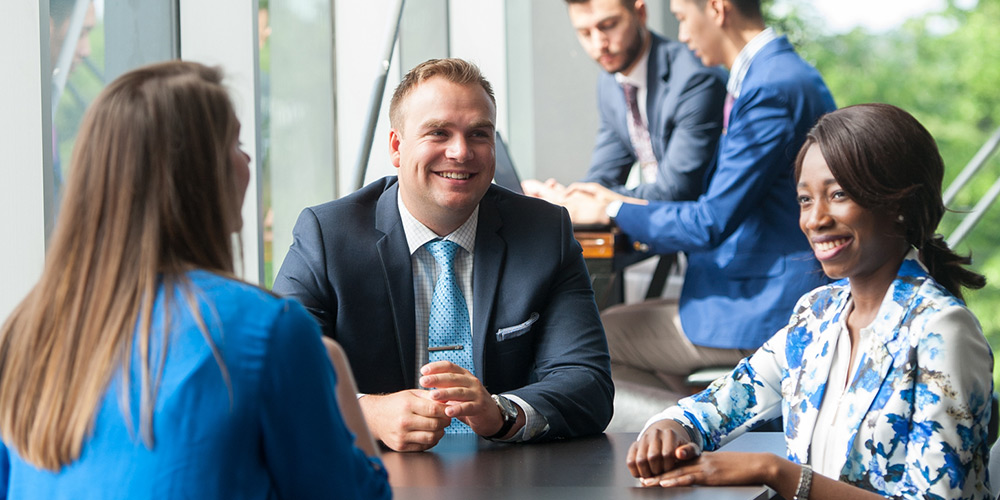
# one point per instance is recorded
(462, 307)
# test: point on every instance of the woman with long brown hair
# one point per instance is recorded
(139, 366)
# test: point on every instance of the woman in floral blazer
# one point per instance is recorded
(883, 378)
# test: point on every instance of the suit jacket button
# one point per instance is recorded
(640, 246)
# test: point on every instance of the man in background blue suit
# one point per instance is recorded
(748, 261)
(674, 128)
(365, 266)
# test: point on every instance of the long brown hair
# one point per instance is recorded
(887, 161)
(151, 196)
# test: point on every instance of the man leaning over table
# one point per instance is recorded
(462, 307)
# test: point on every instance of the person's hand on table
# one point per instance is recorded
(464, 397)
(659, 449)
(588, 202)
(407, 420)
(601, 193)
(586, 209)
(719, 468)
(550, 190)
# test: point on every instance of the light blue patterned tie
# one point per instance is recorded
(449, 325)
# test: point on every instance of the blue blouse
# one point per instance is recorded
(273, 430)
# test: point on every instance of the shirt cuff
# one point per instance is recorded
(534, 422)
(613, 208)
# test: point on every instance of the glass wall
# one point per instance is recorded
(76, 46)
(297, 118)
(90, 43)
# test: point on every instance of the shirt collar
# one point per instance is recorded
(417, 234)
(744, 58)
(637, 77)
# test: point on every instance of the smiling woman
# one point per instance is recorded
(884, 370)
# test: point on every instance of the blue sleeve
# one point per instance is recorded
(692, 141)
(4, 470)
(752, 158)
(307, 448)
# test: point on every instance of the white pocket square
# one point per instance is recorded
(516, 330)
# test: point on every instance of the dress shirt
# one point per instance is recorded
(829, 443)
(637, 78)
(742, 63)
(425, 273)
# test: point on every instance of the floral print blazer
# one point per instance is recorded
(918, 425)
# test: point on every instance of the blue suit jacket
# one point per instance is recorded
(349, 264)
(684, 109)
(748, 261)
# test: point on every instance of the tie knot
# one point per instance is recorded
(630, 91)
(443, 251)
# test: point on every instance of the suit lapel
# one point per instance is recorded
(657, 74)
(394, 253)
(813, 375)
(487, 263)
(878, 359)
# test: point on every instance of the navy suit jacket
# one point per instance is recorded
(684, 109)
(748, 261)
(349, 264)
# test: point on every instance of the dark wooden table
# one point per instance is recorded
(468, 467)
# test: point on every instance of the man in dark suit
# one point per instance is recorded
(367, 267)
(659, 106)
(748, 262)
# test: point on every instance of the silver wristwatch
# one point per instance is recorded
(508, 410)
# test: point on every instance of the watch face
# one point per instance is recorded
(507, 408)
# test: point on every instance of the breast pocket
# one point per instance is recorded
(512, 332)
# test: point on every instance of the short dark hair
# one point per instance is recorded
(886, 161)
(452, 69)
(628, 4)
(749, 9)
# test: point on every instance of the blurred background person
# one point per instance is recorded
(659, 106)
(747, 263)
(139, 366)
(883, 378)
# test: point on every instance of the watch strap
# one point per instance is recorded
(508, 420)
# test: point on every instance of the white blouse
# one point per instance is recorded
(828, 452)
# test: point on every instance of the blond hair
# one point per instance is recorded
(151, 196)
(452, 69)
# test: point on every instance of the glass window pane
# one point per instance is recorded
(297, 125)
(76, 44)
(92, 42)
